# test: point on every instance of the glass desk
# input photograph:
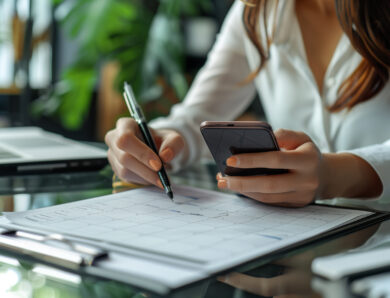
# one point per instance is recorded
(287, 276)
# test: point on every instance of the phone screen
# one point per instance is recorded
(224, 142)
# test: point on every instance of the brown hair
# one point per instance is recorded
(367, 25)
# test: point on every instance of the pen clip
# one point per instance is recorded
(127, 100)
(134, 108)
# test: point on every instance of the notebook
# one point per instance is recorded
(31, 150)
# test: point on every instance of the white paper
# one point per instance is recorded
(208, 229)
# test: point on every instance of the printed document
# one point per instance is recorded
(212, 230)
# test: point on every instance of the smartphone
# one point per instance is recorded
(225, 139)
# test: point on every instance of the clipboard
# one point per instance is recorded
(68, 254)
(140, 269)
(87, 258)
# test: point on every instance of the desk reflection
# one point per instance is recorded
(293, 274)
(20, 193)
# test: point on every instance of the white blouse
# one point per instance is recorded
(288, 91)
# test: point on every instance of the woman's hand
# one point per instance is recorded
(132, 160)
(297, 188)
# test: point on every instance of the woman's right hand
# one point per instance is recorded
(132, 160)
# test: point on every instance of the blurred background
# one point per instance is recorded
(63, 62)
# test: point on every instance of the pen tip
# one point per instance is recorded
(168, 191)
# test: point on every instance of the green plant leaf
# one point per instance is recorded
(75, 103)
(143, 36)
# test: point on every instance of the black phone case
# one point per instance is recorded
(224, 142)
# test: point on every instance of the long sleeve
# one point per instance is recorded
(215, 93)
(378, 156)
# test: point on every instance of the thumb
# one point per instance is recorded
(289, 139)
(172, 144)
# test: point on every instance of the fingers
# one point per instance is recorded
(128, 166)
(271, 160)
(131, 144)
(289, 139)
(132, 160)
(302, 158)
(128, 124)
(171, 145)
(122, 173)
(296, 188)
(287, 190)
(125, 139)
(272, 184)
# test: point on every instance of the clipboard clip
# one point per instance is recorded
(51, 248)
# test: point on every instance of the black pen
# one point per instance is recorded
(138, 115)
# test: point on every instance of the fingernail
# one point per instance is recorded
(232, 161)
(219, 176)
(155, 164)
(159, 184)
(167, 154)
(222, 183)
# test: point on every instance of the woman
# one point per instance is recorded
(321, 70)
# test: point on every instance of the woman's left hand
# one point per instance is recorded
(297, 188)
